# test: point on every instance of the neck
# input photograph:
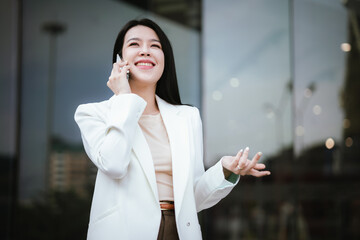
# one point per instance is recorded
(148, 94)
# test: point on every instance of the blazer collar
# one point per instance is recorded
(166, 108)
(177, 130)
(178, 133)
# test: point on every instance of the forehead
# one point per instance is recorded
(142, 33)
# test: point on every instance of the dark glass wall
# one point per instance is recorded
(287, 85)
(248, 88)
(9, 111)
(55, 56)
(279, 76)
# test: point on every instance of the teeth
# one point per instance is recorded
(144, 64)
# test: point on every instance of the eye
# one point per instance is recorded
(133, 44)
(156, 46)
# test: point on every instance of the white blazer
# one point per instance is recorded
(125, 203)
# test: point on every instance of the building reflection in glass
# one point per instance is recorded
(312, 192)
(278, 76)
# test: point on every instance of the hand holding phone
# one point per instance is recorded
(118, 60)
(117, 82)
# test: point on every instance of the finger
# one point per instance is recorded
(237, 159)
(117, 70)
(259, 166)
(243, 159)
(233, 166)
(238, 156)
(114, 71)
(257, 173)
(114, 67)
(254, 161)
(122, 64)
(125, 70)
(117, 66)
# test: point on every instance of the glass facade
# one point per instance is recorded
(281, 77)
(287, 72)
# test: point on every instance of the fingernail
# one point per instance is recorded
(260, 153)
(241, 150)
(247, 149)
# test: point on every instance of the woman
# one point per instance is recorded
(147, 146)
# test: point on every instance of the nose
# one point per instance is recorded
(144, 51)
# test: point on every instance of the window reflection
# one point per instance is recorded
(61, 71)
(306, 134)
(280, 76)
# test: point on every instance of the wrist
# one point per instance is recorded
(226, 172)
(123, 91)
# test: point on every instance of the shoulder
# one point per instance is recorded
(188, 110)
(93, 108)
(191, 113)
(182, 110)
(101, 104)
(116, 102)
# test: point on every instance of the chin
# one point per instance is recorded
(145, 78)
(145, 81)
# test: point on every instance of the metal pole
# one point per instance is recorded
(54, 29)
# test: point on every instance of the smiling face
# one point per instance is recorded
(143, 51)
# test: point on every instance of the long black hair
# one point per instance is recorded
(167, 86)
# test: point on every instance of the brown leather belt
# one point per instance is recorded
(167, 206)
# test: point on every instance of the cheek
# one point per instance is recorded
(162, 61)
(126, 54)
(161, 58)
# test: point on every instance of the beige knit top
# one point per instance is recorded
(156, 136)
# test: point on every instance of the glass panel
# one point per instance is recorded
(74, 65)
(66, 62)
(247, 102)
(320, 29)
(279, 76)
(326, 107)
(312, 192)
(246, 77)
(8, 112)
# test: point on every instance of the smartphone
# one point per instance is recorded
(118, 59)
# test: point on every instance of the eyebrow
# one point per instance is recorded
(138, 39)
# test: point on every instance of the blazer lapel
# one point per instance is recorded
(177, 130)
(142, 151)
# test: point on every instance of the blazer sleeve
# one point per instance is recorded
(108, 130)
(210, 186)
